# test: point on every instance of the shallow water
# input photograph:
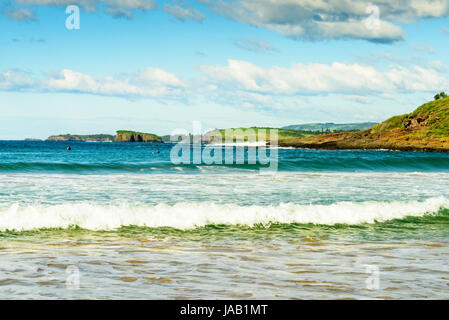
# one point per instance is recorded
(120, 221)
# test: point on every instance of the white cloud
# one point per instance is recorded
(359, 99)
(20, 14)
(239, 98)
(119, 13)
(423, 48)
(408, 60)
(117, 8)
(243, 84)
(312, 79)
(156, 75)
(92, 5)
(147, 83)
(16, 80)
(437, 65)
(255, 45)
(312, 19)
(183, 12)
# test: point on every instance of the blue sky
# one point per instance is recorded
(157, 66)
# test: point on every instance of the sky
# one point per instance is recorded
(158, 66)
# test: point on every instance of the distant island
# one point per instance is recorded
(87, 137)
(331, 127)
(121, 136)
(133, 136)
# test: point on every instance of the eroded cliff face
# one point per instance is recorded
(132, 136)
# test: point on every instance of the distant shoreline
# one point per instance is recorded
(330, 147)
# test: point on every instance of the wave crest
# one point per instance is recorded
(193, 215)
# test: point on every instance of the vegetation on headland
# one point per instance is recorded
(134, 136)
(331, 127)
(87, 137)
(424, 129)
(256, 134)
(440, 95)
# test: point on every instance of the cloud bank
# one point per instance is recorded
(315, 78)
(147, 83)
(372, 20)
(240, 83)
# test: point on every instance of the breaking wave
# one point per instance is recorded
(193, 215)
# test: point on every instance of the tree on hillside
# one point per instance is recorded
(440, 95)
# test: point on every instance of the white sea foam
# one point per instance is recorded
(242, 144)
(192, 215)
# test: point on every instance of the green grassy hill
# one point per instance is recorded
(432, 118)
(424, 129)
(331, 127)
(241, 134)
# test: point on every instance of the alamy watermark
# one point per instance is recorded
(44, 276)
(373, 20)
(72, 281)
(252, 146)
(72, 22)
(372, 281)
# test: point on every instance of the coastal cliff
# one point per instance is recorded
(425, 129)
(133, 136)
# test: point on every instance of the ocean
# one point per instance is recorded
(121, 221)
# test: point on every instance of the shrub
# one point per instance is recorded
(440, 95)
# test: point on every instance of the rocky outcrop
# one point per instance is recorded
(133, 136)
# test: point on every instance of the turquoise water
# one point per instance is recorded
(127, 223)
(47, 157)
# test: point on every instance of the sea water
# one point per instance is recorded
(120, 220)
